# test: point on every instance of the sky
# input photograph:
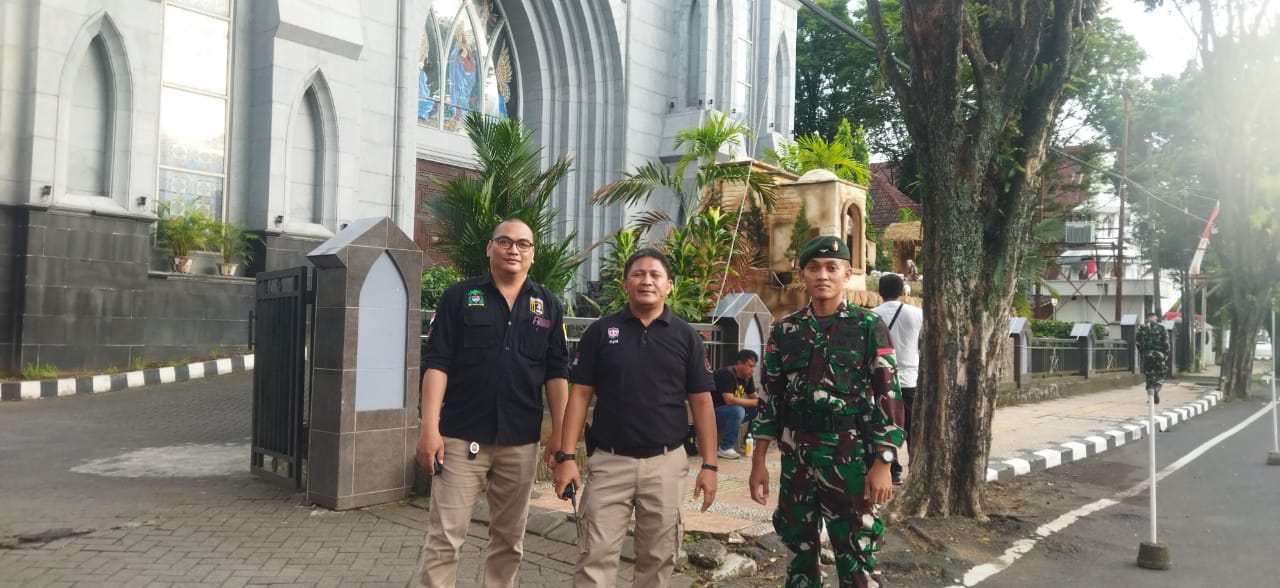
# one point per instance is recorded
(1164, 35)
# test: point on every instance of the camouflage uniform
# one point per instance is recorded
(1153, 344)
(821, 378)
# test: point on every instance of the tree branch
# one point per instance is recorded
(887, 62)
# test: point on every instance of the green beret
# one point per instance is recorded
(825, 246)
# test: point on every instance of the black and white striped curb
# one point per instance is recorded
(35, 389)
(1078, 448)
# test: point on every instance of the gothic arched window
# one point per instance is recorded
(466, 63)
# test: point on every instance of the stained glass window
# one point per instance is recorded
(467, 63)
(194, 92)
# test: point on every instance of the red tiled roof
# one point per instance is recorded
(887, 200)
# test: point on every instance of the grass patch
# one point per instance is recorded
(37, 371)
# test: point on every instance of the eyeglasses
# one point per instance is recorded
(523, 245)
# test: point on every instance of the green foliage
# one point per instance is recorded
(753, 229)
(510, 184)
(434, 282)
(699, 146)
(846, 155)
(620, 247)
(1053, 329)
(799, 233)
(137, 364)
(232, 241)
(39, 371)
(697, 254)
(183, 231)
(838, 78)
(884, 256)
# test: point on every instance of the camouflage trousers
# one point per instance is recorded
(1153, 369)
(832, 494)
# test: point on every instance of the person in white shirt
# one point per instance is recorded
(905, 322)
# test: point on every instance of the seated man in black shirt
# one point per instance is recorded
(735, 400)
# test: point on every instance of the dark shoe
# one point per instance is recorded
(1157, 397)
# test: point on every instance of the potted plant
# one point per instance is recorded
(183, 233)
(232, 241)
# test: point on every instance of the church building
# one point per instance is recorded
(292, 118)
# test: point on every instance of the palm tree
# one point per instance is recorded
(700, 145)
(845, 155)
(509, 184)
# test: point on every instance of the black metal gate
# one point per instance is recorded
(279, 375)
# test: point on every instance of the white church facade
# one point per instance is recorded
(295, 117)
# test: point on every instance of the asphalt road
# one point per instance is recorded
(1219, 514)
(90, 460)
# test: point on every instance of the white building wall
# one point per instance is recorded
(595, 83)
(43, 45)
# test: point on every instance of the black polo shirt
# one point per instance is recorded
(727, 382)
(497, 359)
(642, 378)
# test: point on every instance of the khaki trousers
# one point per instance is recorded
(654, 487)
(505, 474)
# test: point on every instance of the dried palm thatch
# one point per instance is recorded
(909, 232)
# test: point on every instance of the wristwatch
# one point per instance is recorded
(888, 456)
(562, 457)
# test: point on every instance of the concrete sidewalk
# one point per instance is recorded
(150, 488)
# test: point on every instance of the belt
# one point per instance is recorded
(641, 452)
(822, 423)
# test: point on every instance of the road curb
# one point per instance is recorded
(37, 389)
(1081, 447)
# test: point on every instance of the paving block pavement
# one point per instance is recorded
(166, 528)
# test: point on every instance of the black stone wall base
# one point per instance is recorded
(190, 316)
(82, 303)
(76, 293)
(13, 246)
(276, 251)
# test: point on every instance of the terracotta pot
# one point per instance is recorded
(228, 269)
(182, 265)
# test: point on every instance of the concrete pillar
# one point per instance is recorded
(1020, 331)
(1083, 334)
(364, 392)
(1129, 332)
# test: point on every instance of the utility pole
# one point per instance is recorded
(1189, 319)
(1124, 188)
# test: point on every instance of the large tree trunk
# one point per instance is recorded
(1243, 157)
(1248, 310)
(979, 103)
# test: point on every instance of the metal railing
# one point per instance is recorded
(1056, 357)
(1111, 355)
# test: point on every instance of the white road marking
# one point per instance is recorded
(1023, 546)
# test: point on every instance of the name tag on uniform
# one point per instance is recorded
(541, 322)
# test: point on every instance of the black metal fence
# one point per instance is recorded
(1051, 357)
(1112, 355)
(279, 375)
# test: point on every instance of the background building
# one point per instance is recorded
(294, 117)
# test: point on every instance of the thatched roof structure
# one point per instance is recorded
(911, 232)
